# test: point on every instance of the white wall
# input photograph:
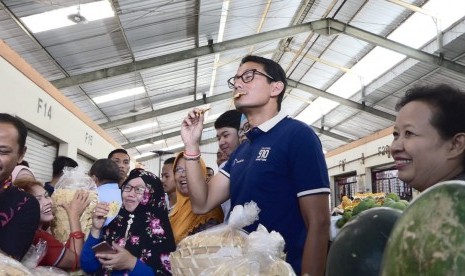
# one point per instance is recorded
(360, 157)
(23, 95)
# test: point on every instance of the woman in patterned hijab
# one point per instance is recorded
(140, 234)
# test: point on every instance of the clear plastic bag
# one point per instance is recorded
(262, 256)
(73, 179)
(48, 271)
(215, 245)
(226, 234)
(10, 266)
(35, 254)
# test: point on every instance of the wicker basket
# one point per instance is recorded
(192, 261)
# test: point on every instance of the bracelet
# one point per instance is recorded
(77, 235)
(195, 158)
(191, 155)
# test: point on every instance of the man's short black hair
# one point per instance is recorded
(110, 155)
(60, 163)
(20, 127)
(230, 118)
(169, 161)
(273, 69)
(106, 170)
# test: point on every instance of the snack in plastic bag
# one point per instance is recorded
(262, 256)
(266, 243)
(35, 254)
(11, 267)
(48, 271)
(114, 209)
(215, 245)
(226, 234)
(72, 180)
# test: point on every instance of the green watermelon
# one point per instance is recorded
(429, 238)
(358, 247)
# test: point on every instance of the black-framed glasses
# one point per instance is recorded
(137, 190)
(247, 76)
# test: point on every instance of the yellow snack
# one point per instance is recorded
(60, 223)
(114, 209)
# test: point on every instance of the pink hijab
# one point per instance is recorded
(19, 168)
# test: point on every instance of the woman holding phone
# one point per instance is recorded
(139, 240)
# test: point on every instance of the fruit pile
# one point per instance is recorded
(362, 202)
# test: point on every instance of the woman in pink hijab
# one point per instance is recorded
(22, 172)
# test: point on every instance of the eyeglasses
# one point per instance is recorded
(246, 77)
(180, 170)
(137, 190)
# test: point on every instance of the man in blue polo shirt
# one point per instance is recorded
(280, 166)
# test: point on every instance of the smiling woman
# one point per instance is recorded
(182, 218)
(429, 136)
(65, 256)
(140, 234)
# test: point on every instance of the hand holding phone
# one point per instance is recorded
(103, 247)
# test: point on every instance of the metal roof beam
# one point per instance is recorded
(335, 27)
(324, 26)
(211, 124)
(214, 139)
(340, 100)
(203, 142)
(331, 134)
(224, 96)
(188, 54)
(160, 137)
(165, 111)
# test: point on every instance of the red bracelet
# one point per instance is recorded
(77, 235)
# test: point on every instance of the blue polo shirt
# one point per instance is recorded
(281, 161)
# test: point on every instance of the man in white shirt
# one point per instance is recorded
(106, 176)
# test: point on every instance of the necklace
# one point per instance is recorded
(130, 221)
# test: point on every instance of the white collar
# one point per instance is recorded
(266, 126)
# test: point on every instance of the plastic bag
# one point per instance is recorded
(35, 254)
(10, 266)
(226, 234)
(73, 179)
(48, 271)
(262, 255)
(215, 245)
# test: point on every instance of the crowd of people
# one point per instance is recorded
(287, 178)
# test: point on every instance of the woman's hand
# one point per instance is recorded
(98, 218)
(121, 260)
(77, 205)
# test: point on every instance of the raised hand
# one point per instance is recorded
(98, 218)
(77, 205)
(191, 128)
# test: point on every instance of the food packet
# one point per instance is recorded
(228, 234)
(73, 179)
(10, 266)
(48, 271)
(35, 254)
(262, 255)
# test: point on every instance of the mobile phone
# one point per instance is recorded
(103, 247)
